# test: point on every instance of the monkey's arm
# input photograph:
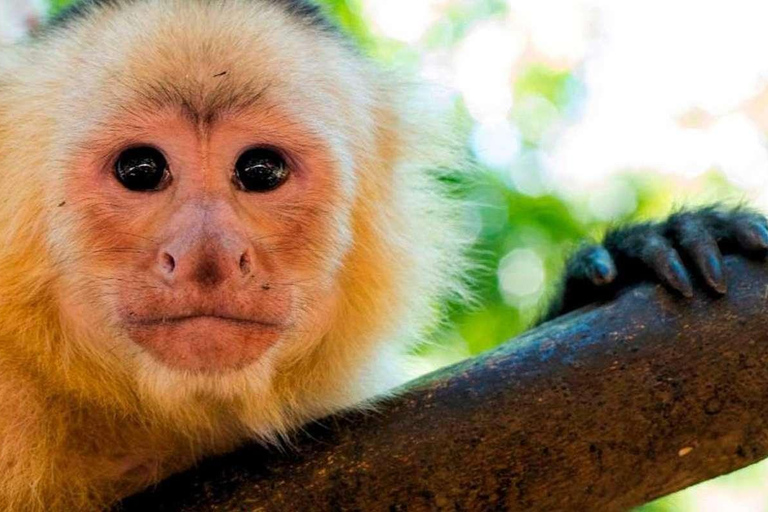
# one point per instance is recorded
(688, 245)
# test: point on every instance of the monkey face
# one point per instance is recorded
(219, 200)
(209, 245)
(209, 202)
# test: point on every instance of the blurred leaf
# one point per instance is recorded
(539, 80)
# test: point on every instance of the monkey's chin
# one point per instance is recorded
(205, 344)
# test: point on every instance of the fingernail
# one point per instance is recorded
(603, 272)
(601, 268)
(680, 278)
(760, 235)
(714, 274)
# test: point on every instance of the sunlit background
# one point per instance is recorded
(580, 114)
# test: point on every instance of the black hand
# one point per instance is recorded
(688, 245)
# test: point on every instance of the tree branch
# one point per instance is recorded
(600, 410)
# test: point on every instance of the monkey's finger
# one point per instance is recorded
(708, 260)
(737, 231)
(696, 242)
(592, 264)
(752, 236)
(600, 267)
(666, 262)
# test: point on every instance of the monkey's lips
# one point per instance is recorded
(205, 342)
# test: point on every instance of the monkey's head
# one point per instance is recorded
(220, 197)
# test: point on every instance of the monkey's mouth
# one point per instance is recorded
(205, 342)
(170, 320)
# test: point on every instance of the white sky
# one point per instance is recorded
(674, 86)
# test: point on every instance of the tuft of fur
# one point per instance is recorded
(80, 405)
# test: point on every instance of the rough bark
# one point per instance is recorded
(603, 409)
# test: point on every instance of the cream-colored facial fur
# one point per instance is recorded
(87, 414)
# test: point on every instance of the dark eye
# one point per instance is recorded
(142, 169)
(261, 170)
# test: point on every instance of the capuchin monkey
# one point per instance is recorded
(219, 221)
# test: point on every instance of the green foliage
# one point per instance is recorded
(57, 5)
(348, 14)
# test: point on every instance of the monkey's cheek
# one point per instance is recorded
(206, 345)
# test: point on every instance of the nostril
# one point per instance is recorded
(245, 264)
(169, 264)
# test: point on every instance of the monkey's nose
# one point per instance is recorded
(207, 266)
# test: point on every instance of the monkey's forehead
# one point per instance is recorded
(305, 11)
(203, 57)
